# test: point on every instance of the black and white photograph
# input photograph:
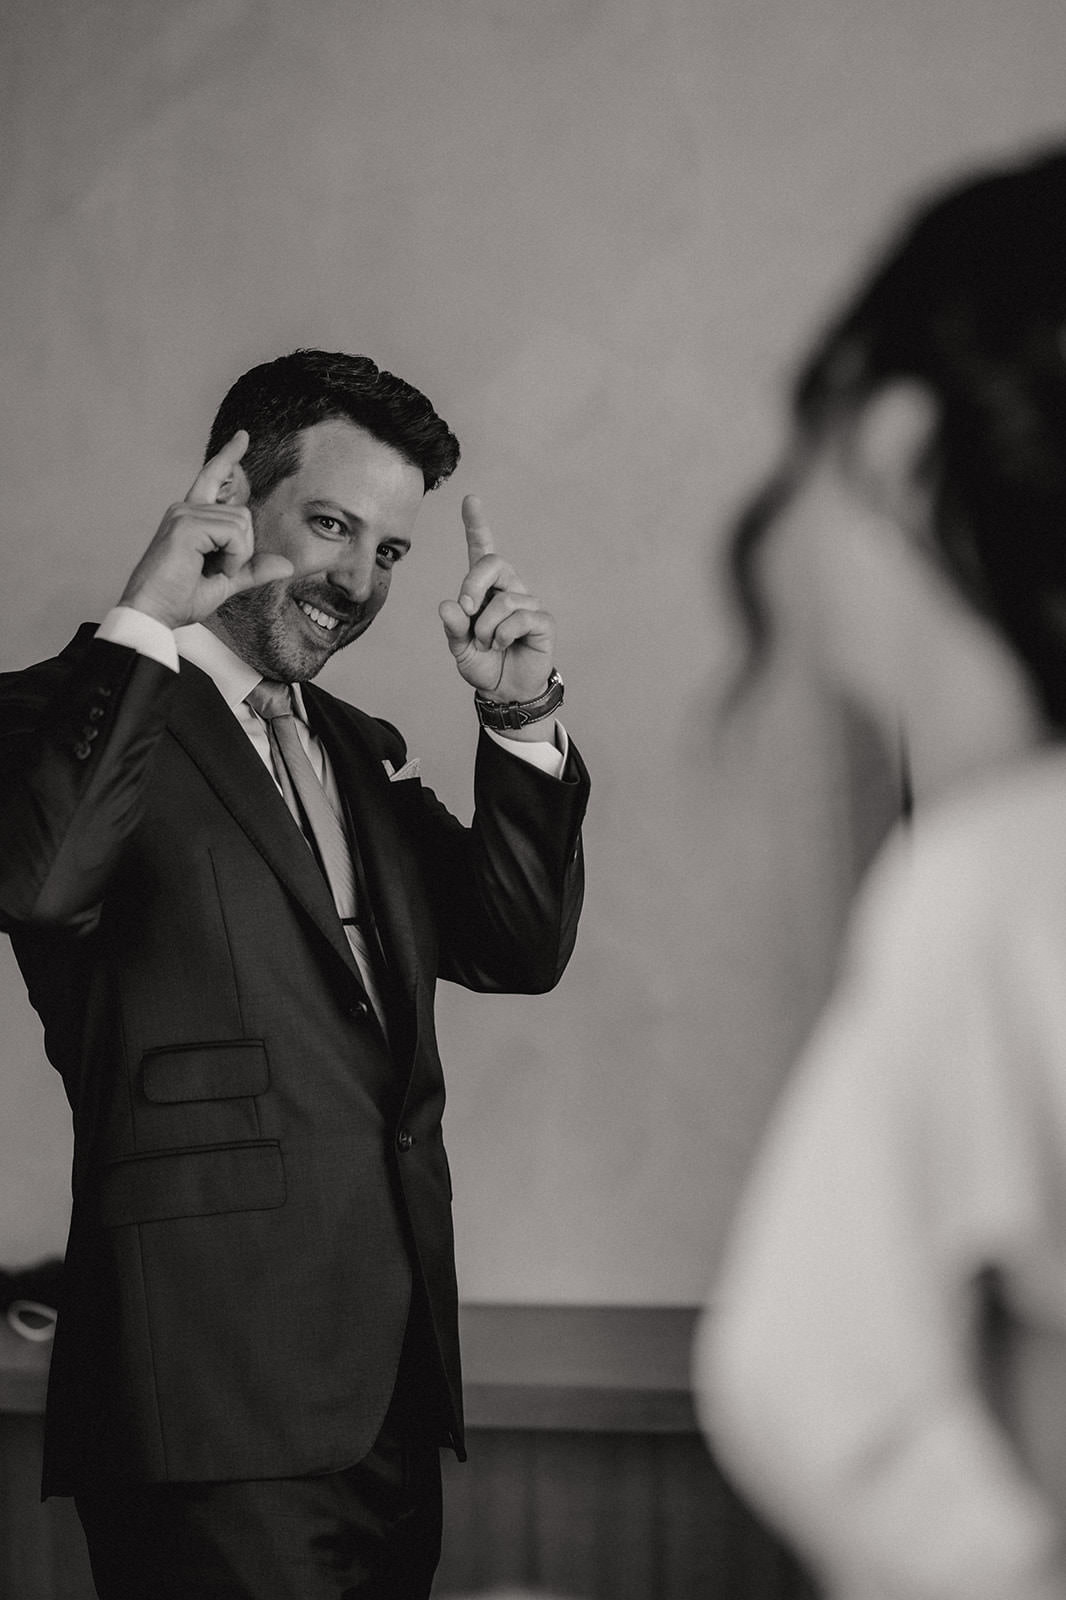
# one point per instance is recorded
(559, 1094)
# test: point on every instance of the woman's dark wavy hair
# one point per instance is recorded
(276, 401)
(971, 302)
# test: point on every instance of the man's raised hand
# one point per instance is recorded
(502, 640)
(203, 550)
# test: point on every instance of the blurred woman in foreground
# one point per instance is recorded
(883, 1362)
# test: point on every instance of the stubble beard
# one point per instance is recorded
(261, 629)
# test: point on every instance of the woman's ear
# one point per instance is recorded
(888, 447)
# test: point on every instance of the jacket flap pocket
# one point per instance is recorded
(193, 1183)
(205, 1071)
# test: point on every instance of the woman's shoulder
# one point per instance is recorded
(981, 854)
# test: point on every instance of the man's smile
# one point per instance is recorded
(322, 618)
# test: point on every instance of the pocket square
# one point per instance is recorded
(410, 769)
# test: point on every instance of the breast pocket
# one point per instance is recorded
(202, 1093)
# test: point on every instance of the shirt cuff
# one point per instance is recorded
(140, 632)
(542, 753)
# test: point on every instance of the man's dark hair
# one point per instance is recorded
(970, 302)
(276, 401)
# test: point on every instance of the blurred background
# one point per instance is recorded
(596, 233)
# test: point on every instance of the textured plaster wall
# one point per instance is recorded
(595, 232)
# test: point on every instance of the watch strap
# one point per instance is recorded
(513, 714)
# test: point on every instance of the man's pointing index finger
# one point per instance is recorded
(213, 474)
(479, 541)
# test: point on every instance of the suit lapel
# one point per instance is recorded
(381, 848)
(205, 727)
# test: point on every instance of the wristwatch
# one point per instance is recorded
(519, 713)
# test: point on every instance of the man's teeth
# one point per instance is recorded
(323, 618)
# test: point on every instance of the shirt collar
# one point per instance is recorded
(233, 678)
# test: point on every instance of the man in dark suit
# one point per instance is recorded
(231, 900)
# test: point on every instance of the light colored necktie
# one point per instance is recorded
(312, 808)
(304, 793)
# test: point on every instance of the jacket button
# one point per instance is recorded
(83, 750)
(358, 1009)
(405, 1139)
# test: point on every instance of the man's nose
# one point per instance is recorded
(353, 573)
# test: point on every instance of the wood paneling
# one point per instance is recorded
(607, 1516)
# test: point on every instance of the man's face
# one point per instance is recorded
(344, 518)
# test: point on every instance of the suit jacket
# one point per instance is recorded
(258, 1176)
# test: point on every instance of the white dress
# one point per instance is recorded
(918, 1148)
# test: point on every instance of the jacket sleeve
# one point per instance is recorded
(507, 891)
(77, 736)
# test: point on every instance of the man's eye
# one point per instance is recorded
(389, 554)
(330, 525)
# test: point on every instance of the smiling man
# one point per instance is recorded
(343, 519)
(231, 897)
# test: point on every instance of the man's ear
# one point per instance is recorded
(889, 445)
(234, 490)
